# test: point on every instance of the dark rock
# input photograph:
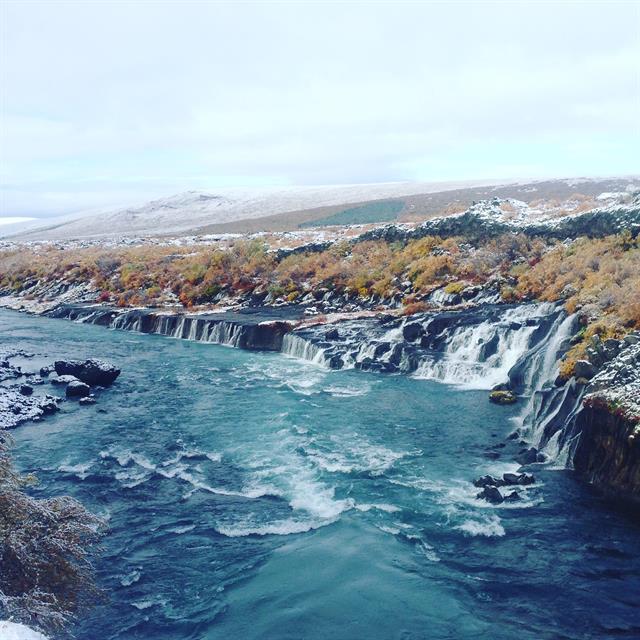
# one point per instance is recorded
(412, 331)
(396, 354)
(26, 389)
(49, 405)
(518, 478)
(527, 456)
(381, 349)
(91, 372)
(503, 386)
(45, 371)
(332, 334)
(560, 381)
(335, 362)
(489, 348)
(611, 344)
(487, 481)
(514, 496)
(490, 494)
(87, 400)
(77, 389)
(584, 369)
(502, 397)
(60, 380)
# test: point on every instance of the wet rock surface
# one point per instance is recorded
(25, 397)
(90, 372)
(503, 397)
(77, 389)
(608, 450)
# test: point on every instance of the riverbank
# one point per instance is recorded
(512, 348)
(250, 463)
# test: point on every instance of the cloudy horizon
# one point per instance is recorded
(107, 104)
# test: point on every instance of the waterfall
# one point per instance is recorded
(195, 328)
(227, 333)
(481, 356)
(297, 347)
(478, 348)
(547, 403)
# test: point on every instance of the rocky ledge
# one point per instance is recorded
(608, 450)
(25, 397)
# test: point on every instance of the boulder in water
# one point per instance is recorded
(26, 389)
(491, 494)
(518, 478)
(514, 496)
(488, 481)
(91, 372)
(502, 397)
(527, 456)
(87, 400)
(63, 379)
(77, 389)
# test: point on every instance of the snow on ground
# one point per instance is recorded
(193, 209)
(14, 631)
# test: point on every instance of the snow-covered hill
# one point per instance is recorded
(195, 209)
(195, 212)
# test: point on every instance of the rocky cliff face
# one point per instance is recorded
(486, 219)
(257, 330)
(608, 450)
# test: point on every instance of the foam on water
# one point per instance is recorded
(213, 490)
(488, 527)
(283, 528)
(353, 458)
(130, 578)
(387, 508)
(79, 470)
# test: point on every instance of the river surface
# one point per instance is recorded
(254, 496)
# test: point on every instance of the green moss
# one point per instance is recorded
(367, 213)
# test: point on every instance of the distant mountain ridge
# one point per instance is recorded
(245, 211)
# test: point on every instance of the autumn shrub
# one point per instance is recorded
(46, 575)
(411, 308)
(455, 287)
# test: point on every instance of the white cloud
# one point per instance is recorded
(104, 101)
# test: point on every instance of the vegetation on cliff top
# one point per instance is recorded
(598, 278)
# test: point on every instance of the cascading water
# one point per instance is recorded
(465, 361)
(482, 356)
(477, 348)
(243, 332)
(549, 408)
(297, 347)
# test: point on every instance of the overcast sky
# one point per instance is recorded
(113, 103)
